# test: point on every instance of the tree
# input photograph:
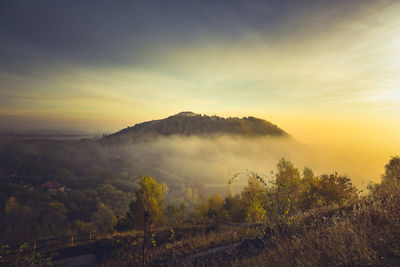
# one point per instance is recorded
(215, 209)
(333, 188)
(175, 214)
(54, 216)
(285, 193)
(308, 176)
(256, 211)
(103, 218)
(287, 174)
(18, 220)
(148, 203)
(210, 211)
(235, 207)
(200, 212)
(255, 198)
(392, 170)
(390, 180)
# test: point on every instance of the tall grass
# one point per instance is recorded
(367, 236)
(363, 233)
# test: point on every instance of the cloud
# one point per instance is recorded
(44, 34)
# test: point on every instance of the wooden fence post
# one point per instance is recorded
(72, 240)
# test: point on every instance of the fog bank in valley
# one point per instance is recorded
(213, 161)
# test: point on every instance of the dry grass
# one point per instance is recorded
(127, 251)
(370, 236)
(364, 234)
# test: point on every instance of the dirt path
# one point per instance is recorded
(219, 253)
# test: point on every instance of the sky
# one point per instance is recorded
(327, 72)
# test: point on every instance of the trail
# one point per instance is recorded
(219, 254)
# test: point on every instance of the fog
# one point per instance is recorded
(179, 161)
(212, 162)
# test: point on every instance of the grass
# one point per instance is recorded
(366, 233)
(167, 246)
(368, 236)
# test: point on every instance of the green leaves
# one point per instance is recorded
(148, 200)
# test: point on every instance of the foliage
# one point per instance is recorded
(256, 212)
(365, 236)
(334, 189)
(100, 179)
(235, 208)
(175, 214)
(285, 193)
(274, 200)
(24, 255)
(298, 211)
(328, 224)
(148, 202)
(392, 171)
(210, 211)
(103, 218)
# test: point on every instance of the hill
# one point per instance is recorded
(189, 123)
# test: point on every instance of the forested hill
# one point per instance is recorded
(189, 123)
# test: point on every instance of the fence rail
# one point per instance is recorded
(55, 244)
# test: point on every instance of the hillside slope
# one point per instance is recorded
(189, 123)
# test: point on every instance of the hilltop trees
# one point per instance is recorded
(196, 124)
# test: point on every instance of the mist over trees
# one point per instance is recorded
(51, 188)
(56, 187)
(269, 200)
(104, 202)
(47, 191)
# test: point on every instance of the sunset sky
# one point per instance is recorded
(327, 72)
